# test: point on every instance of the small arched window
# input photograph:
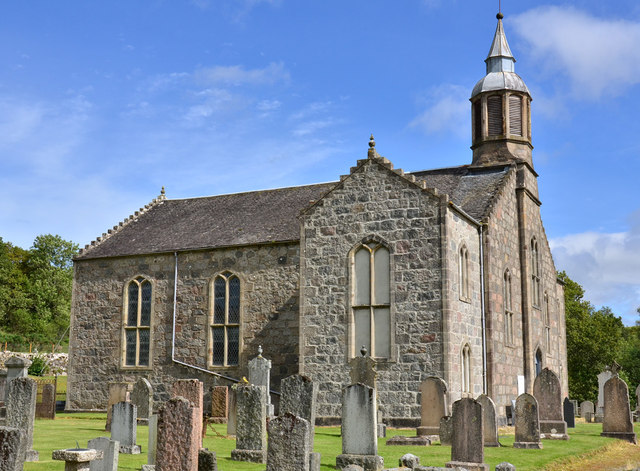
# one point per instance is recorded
(535, 272)
(494, 113)
(224, 346)
(463, 273)
(508, 308)
(137, 322)
(466, 369)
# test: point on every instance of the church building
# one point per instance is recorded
(443, 272)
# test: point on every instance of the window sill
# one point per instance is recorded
(136, 368)
(465, 300)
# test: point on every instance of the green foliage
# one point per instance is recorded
(38, 366)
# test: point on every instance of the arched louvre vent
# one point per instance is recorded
(477, 120)
(494, 112)
(515, 115)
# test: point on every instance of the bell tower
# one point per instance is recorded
(501, 109)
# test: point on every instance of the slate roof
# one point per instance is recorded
(267, 216)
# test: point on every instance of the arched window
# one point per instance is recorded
(547, 324)
(463, 273)
(508, 308)
(137, 322)
(371, 300)
(224, 339)
(494, 113)
(538, 362)
(466, 369)
(535, 272)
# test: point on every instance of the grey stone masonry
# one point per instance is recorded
(288, 446)
(11, 449)
(569, 412)
(142, 397)
(152, 443)
(260, 375)
(548, 393)
(110, 454)
(124, 427)
(617, 421)
(207, 460)
(193, 391)
(298, 397)
(21, 411)
(178, 441)
(467, 449)
(433, 402)
(118, 392)
(527, 422)
(76, 460)
(251, 431)
(489, 420)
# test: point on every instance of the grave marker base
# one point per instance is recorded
(252, 456)
(425, 431)
(468, 466)
(626, 436)
(367, 462)
(130, 449)
(528, 445)
(409, 441)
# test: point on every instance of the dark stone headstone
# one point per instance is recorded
(467, 449)
(433, 405)
(251, 432)
(46, 408)
(569, 413)
(288, 445)
(207, 460)
(548, 393)
(178, 440)
(527, 422)
(298, 397)
(617, 413)
(446, 430)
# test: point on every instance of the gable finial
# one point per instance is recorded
(372, 148)
(162, 194)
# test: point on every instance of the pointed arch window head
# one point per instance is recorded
(463, 274)
(224, 338)
(508, 308)
(137, 323)
(535, 272)
(371, 304)
(466, 369)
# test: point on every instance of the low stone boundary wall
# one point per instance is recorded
(57, 361)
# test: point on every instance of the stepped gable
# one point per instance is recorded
(471, 188)
(250, 218)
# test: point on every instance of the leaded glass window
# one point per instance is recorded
(224, 347)
(137, 326)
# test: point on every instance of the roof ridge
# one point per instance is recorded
(254, 191)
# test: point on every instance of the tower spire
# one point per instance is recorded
(500, 58)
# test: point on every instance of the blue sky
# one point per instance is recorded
(102, 103)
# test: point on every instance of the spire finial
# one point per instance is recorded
(162, 194)
(162, 190)
(363, 351)
(372, 147)
(499, 15)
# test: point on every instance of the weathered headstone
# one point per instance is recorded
(76, 460)
(17, 368)
(232, 420)
(569, 413)
(142, 397)
(617, 413)
(602, 379)
(548, 393)
(207, 460)
(467, 449)
(575, 407)
(21, 411)
(586, 408)
(298, 397)
(118, 392)
(219, 404)
(124, 427)
(504, 466)
(446, 431)
(638, 398)
(433, 403)
(192, 390)
(3, 384)
(260, 375)
(363, 370)
(359, 436)
(110, 454)
(46, 408)
(251, 432)
(489, 420)
(527, 422)
(12, 448)
(152, 443)
(288, 446)
(409, 460)
(178, 440)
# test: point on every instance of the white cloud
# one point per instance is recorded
(236, 75)
(600, 56)
(447, 110)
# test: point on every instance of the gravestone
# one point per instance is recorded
(232, 421)
(638, 398)
(152, 443)
(569, 413)
(110, 454)
(124, 427)
(602, 379)
(192, 390)
(298, 397)
(288, 445)
(527, 422)
(251, 432)
(178, 440)
(575, 407)
(489, 420)
(207, 460)
(409, 460)
(617, 413)
(12, 448)
(142, 398)
(46, 408)
(260, 375)
(446, 431)
(433, 404)
(3, 384)
(362, 369)
(586, 409)
(76, 459)
(359, 435)
(17, 368)
(219, 404)
(548, 393)
(504, 466)
(118, 392)
(467, 449)
(21, 412)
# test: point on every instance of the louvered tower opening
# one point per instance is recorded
(515, 115)
(477, 121)
(494, 113)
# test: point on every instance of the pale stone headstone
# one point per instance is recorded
(586, 407)
(260, 375)
(152, 443)
(359, 436)
(251, 432)
(17, 368)
(142, 397)
(110, 454)
(298, 397)
(124, 427)
(232, 421)
(207, 460)
(193, 391)
(602, 379)
(489, 420)
(219, 403)
(12, 448)
(527, 422)
(433, 405)
(363, 370)
(569, 413)
(178, 440)
(288, 445)
(548, 393)
(76, 460)
(446, 431)
(467, 449)
(21, 411)
(118, 392)
(617, 413)
(46, 409)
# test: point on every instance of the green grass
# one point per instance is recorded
(67, 428)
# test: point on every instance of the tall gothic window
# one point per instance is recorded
(371, 299)
(508, 308)
(463, 273)
(466, 369)
(535, 272)
(224, 346)
(547, 325)
(137, 322)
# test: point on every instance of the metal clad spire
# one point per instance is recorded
(500, 58)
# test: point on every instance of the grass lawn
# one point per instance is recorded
(586, 450)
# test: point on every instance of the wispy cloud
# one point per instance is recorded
(600, 56)
(236, 75)
(446, 110)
